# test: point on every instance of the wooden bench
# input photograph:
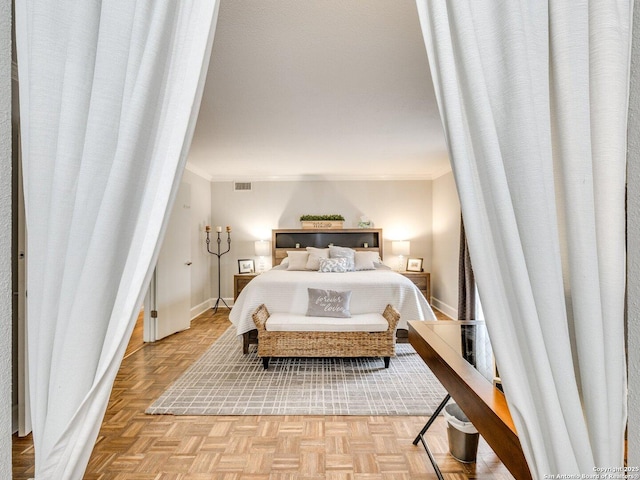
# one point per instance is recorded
(343, 341)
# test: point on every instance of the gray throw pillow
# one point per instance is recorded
(328, 303)
(344, 252)
(333, 265)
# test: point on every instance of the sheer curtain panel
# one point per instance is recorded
(109, 93)
(533, 99)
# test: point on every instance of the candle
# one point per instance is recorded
(218, 229)
(228, 228)
(207, 228)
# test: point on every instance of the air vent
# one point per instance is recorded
(241, 186)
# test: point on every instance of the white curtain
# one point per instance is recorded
(109, 93)
(533, 99)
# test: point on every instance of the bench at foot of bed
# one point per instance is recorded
(290, 335)
(251, 338)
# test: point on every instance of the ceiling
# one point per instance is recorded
(318, 89)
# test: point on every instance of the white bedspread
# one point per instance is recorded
(286, 291)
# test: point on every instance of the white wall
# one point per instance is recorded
(633, 248)
(5, 239)
(401, 208)
(446, 245)
(201, 261)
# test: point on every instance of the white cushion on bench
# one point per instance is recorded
(291, 322)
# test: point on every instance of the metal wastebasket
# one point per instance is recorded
(463, 436)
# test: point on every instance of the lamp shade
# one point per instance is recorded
(263, 248)
(400, 247)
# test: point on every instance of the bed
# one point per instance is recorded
(285, 290)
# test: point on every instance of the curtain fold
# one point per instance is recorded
(533, 99)
(109, 95)
(466, 280)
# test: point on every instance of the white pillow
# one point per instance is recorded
(283, 264)
(297, 260)
(366, 260)
(315, 254)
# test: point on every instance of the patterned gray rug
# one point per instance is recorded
(226, 382)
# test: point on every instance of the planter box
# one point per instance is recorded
(322, 224)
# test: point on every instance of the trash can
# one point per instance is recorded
(463, 436)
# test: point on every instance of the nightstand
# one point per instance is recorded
(422, 280)
(240, 281)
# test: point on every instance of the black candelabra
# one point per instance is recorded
(218, 254)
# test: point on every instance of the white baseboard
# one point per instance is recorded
(448, 310)
(207, 304)
(228, 301)
(198, 309)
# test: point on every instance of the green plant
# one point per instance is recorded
(306, 218)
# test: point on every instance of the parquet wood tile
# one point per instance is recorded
(136, 341)
(135, 446)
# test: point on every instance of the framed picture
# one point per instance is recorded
(414, 265)
(246, 266)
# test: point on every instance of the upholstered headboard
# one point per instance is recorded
(365, 239)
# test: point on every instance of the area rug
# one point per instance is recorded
(226, 382)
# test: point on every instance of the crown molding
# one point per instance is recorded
(198, 171)
(316, 177)
(321, 178)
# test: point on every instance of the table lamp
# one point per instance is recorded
(400, 248)
(263, 249)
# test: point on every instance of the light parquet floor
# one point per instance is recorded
(135, 446)
(136, 341)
